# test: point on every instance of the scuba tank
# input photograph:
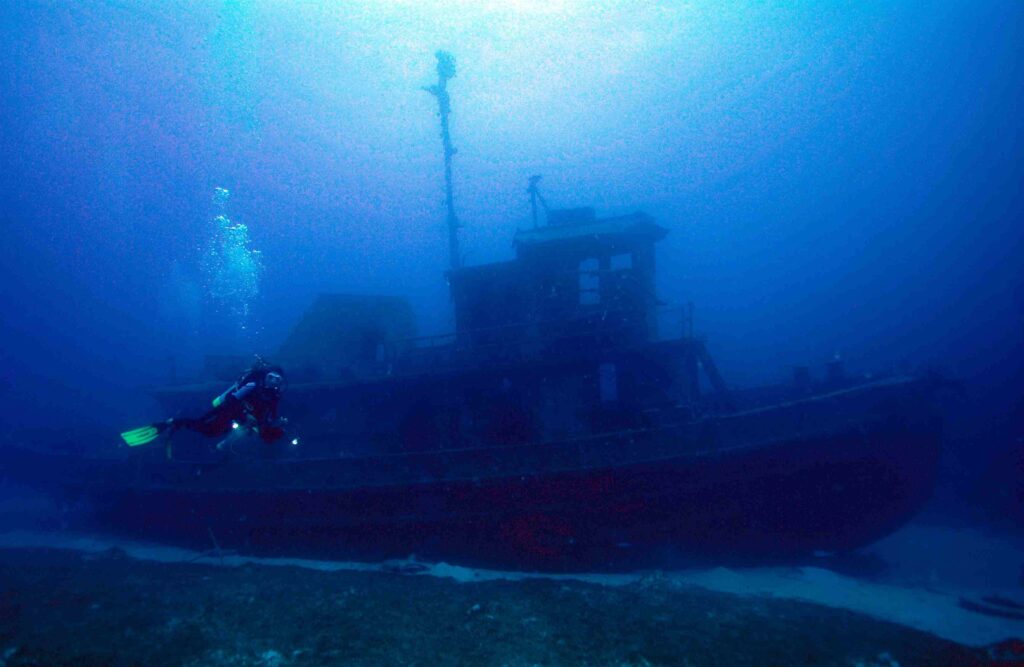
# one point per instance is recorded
(255, 374)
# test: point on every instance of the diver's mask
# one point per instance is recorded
(273, 380)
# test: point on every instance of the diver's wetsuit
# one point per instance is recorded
(249, 398)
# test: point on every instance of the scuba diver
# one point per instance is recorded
(251, 402)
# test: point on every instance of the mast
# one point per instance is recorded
(446, 71)
(535, 194)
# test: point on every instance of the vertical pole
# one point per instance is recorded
(533, 206)
(534, 196)
(446, 71)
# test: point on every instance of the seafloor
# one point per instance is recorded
(67, 608)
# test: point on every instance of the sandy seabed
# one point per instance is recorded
(61, 607)
(70, 599)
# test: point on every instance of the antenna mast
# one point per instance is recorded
(446, 71)
(534, 196)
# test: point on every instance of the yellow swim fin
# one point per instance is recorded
(143, 435)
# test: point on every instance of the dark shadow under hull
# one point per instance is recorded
(836, 475)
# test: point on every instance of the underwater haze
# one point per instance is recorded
(839, 181)
(836, 179)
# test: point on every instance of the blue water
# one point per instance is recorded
(837, 181)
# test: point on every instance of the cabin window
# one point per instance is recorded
(622, 262)
(368, 344)
(608, 382)
(371, 346)
(590, 282)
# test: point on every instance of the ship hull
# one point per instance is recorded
(824, 474)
